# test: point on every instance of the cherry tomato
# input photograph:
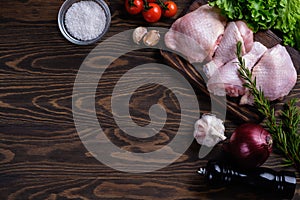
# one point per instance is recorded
(153, 13)
(171, 9)
(151, 1)
(134, 7)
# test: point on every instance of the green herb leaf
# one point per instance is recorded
(285, 132)
(283, 15)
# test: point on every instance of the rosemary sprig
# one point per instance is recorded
(285, 132)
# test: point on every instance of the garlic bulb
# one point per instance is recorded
(151, 38)
(138, 34)
(209, 130)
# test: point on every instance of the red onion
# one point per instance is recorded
(249, 146)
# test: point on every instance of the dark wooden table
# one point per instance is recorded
(41, 153)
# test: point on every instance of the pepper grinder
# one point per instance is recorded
(282, 183)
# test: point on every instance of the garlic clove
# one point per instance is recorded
(138, 34)
(151, 38)
(209, 130)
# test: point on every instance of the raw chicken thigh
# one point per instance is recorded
(226, 79)
(201, 37)
(226, 51)
(275, 74)
(246, 33)
(197, 34)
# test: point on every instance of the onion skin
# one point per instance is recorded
(249, 146)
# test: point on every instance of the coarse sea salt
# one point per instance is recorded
(85, 20)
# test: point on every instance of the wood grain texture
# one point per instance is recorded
(41, 154)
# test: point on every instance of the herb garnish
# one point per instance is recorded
(281, 15)
(285, 131)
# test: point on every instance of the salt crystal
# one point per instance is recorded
(85, 20)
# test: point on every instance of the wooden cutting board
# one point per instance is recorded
(244, 113)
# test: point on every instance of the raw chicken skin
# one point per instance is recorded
(247, 35)
(275, 74)
(226, 80)
(197, 34)
(226, 51)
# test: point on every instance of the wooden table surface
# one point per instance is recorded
(41, 153)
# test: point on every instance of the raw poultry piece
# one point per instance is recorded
(275, 74)
(226, 79)
(197, 34)
(226, 51)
